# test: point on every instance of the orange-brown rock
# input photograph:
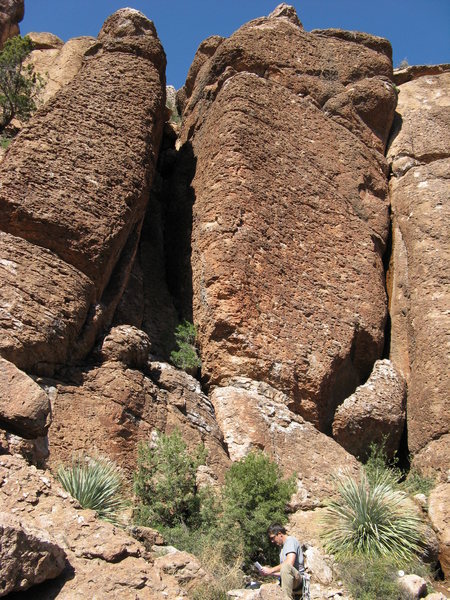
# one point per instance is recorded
(252, 415)
(11, 13)
(290, 217)
(374, 414)
(44, 559)
(110, 408)
(434, 460)
(24, 406)
(56, 61)
(439, 513)
(76, 179)
(419, 272)
(101, 560)
(44, 304)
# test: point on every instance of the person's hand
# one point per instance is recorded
(265, 571)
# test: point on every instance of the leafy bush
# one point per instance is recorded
(96, 483)
(19, 84)
(186, 356)
(255, 495)
(372, 519)
(165, 482)
(416, 483)
(370, 579)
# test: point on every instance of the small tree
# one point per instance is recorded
(19, 84)
(256, 495)
(165, 482)
(186, 356)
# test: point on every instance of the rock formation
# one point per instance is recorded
(81, 191)
(264, 218)
(11, 13)
(374, 414)
(419, 273)
(290, 218)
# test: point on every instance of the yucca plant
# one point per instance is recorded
(371, 519)
(96, 483)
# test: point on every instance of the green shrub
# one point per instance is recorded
(96, 483)
(416, 483)
(373, 579)
(165, 483)
(5, 142)
(371, 519)
(19, 84)
(379, 466)
(255, 495)
(186, 356)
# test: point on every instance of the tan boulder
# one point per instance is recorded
(57, 62)
(413, 586)
(108, 410)
(102, 561)
(290, 216)
(419, 270)
(252, 415)
(185, 568)
(44, 304)
(374, 414)
(44, 559)
(24, 406)
(11, 13)
(439, 513)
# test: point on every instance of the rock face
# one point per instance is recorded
(290, 215)
(110, 408)
(439, 513)
(24, 406)
(56, 61)
(373, 414)
(99, 556)
(11, 13)
(44, 559)
(76, 181)
(253, 415)
(419, 271)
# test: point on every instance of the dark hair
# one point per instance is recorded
(275, 529)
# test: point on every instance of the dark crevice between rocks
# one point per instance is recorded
(387, 257)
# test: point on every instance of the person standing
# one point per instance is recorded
(291, 567)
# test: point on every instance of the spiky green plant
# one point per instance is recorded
(96, 483)
(371, 519)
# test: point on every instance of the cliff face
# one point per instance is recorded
(266, 219)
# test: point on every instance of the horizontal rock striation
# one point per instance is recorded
(76, 182)
(290, 218)
(419, 274)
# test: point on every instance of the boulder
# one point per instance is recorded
(439, 513)
(317, 566)
(34, 451)
(374, 414)
(413, 586)
(45, 41)
(126, 344)
(24, 406)
(419, 271)
(185, 568)
(253, 415)
(109, 409)
(76, 179)
(27, 557)
(11, 13)
(434, 460)
(99, 556)
(290, 218)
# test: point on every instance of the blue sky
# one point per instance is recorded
(419, 30)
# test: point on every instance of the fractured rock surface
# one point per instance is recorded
(290, 217)
(419, 274)
(11, 13)
(253, 415)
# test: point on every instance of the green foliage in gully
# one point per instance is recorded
(236, 519)
(186, 356)
(19, 84)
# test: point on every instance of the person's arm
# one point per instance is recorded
(289, 560)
